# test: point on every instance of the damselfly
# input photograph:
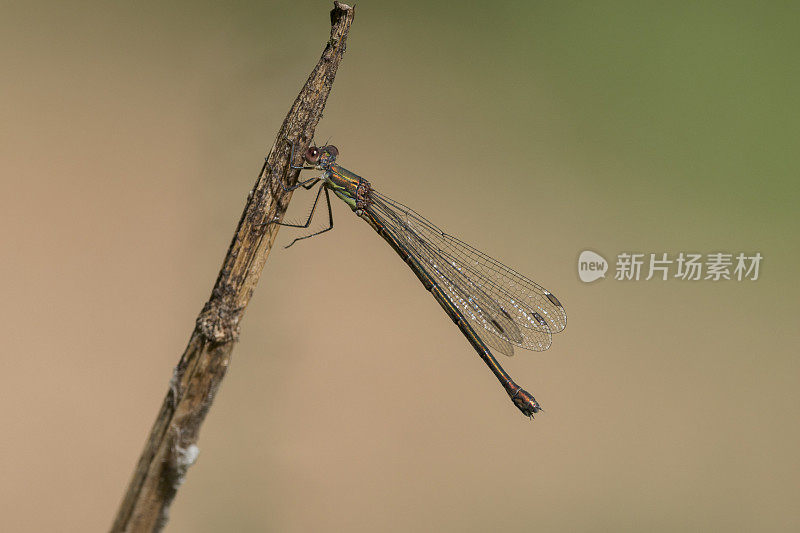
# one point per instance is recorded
(495, 307)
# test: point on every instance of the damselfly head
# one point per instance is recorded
(328, 153)
(312, 154)
(323, 155)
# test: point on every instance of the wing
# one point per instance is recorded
(513, 309)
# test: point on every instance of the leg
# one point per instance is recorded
(309, 184)
(306, 184)
(291, 160)
(330, 218)
(310, 215)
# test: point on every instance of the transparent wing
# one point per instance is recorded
(475, 306)
(512, 308)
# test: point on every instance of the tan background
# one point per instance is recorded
(131, 134)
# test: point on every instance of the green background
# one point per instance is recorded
(130, 135)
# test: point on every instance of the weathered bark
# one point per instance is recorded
(171, 448)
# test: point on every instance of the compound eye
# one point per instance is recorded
(332, 150)
(312, 154)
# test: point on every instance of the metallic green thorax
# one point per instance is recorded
(343, 184)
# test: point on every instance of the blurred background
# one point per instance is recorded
(130, 135)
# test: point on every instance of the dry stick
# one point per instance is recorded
(171, 448)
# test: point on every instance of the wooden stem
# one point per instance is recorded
(172, 446)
